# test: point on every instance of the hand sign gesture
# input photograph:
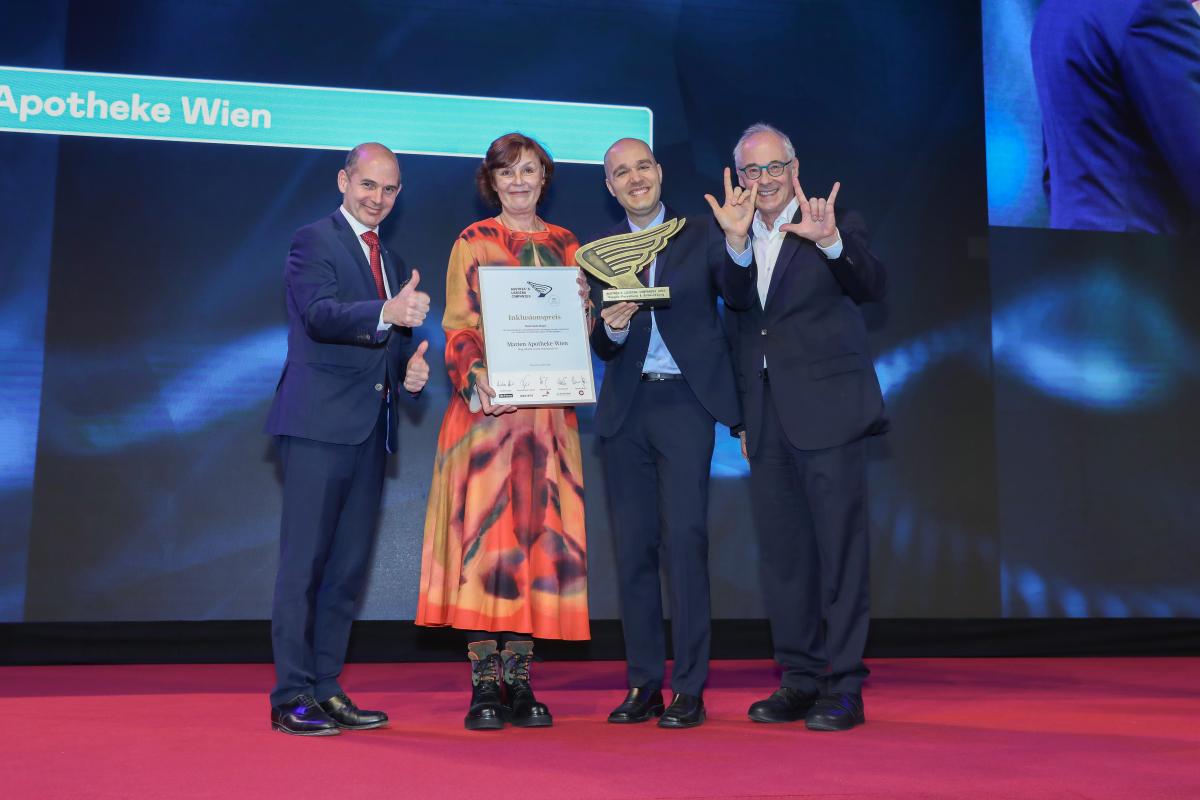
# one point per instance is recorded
(409, 307)
(417, 372)
(818, 223)
(737, 213)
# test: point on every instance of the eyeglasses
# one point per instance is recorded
(774, 169)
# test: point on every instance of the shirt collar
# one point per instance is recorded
(785, 216)
(356, 226)
(658, 219)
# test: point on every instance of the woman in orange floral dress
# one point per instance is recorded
(505, 554)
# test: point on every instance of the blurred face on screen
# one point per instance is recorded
(519, 185)
(369, 189)
(774, 192)
(633, 177)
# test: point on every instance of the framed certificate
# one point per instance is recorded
(535, 336)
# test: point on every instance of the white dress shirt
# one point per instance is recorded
(767, 243)
(359, 229)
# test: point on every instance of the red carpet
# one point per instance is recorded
(1019, 728)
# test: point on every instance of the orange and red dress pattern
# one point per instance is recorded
(504, 529)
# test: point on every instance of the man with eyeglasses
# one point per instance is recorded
(810, 397)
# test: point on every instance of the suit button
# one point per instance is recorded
(764, 331)
(379, 387)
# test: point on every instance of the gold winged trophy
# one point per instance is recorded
(616, 260)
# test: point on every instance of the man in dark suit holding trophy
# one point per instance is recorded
(668, 380)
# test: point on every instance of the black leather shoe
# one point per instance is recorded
(685, 711)
(836, 712)
(302, 716)
(523, 709)
(485, 712)
(784, 705)
(639, 705)
(341, 709)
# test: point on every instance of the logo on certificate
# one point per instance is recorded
(541, 288)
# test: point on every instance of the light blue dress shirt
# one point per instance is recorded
(658, 357)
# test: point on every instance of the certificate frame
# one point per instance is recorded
(535, 336)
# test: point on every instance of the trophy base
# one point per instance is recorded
(647, 297)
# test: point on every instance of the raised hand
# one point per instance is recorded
(409, 307)
(617, 315)
(818, 222)
(417, 372)
(486, 393)
(737, 213)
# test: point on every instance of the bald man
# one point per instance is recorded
(668, 381)
(352, 306)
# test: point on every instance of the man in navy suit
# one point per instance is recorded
(352, 307)
(810, 397)
(668, 380)
(1118, 82)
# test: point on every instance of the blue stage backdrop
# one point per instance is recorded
(1040, 461)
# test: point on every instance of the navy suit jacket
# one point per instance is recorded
(1119, 86)
(693, 266)
(337, 363)
(814, 338)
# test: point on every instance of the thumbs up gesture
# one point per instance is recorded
(417, 372)
(409, 307)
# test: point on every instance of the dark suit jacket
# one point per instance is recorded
(815, 341)
(336, 358)
(1119, 86)
(693, 266)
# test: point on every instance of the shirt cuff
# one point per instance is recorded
(833, 251)
(743, 258)
(616, 337)
(381, 326)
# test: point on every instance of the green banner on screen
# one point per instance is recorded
(225, 112)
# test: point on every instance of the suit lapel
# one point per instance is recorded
(664, 257)
(394, 280)
(354, 248)
(789, 248)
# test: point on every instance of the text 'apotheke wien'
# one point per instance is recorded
(212, 112)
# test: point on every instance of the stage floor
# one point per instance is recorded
(977, 728)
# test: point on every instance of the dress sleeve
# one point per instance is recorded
(461, 322)
(570, 245)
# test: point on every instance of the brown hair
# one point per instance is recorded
(504, 152)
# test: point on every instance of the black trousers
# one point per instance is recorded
(810, 513)
(656, 469)
(330, 508)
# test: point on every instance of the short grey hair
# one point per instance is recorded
(762, 127)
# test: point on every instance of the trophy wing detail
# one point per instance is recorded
(617, 259)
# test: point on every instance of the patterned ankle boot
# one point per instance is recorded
(523, 708)
(486, 712)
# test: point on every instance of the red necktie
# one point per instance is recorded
(372, 240)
